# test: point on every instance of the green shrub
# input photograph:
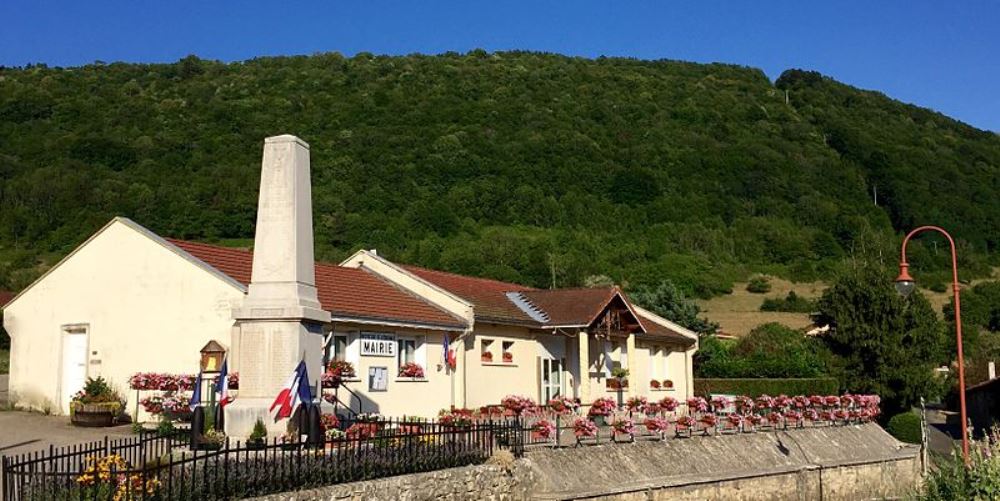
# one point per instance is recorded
(771, 386)
(770, 350)
(259, 433)
(952, 480)
(905, 427)
(792, 303)
(938, 287)
(759, 284)
(165, 428)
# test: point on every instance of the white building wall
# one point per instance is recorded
(146, 308)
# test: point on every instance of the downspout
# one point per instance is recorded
(460, 352)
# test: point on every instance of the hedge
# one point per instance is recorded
(771, 386)
(905, 427)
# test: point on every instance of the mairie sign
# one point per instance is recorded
(378, 345)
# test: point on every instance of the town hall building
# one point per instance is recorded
(128, 300)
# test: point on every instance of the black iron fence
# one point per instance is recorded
(164, 468)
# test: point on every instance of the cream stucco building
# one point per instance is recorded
(127, 300)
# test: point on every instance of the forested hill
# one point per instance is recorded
(520, 166)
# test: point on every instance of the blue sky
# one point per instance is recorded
(942, 55)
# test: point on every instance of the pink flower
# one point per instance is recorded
(685, 421)
(623, 426)
(563, 405)
(669, 404)
(602, 407)
(744, 403)
(656, 424)
(518, 405)
(544, 429)
(637, 404)
(719, 403)
(709, 420)
(697, 404)
(765, 402)
(583, 427)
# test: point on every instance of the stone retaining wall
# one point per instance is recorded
(835, 463)
(468, 482)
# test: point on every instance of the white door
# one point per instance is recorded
(74, 365)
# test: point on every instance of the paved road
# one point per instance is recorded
(22, 432)
(943, 431)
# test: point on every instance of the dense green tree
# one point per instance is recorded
(888, 345)
(511, 164)
(667, 301)
(770, 350)
(980, 328)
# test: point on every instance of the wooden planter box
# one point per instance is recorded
(94, 416)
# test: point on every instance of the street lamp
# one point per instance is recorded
(905, 285)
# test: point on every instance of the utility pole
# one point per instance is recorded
(552, 267)
(875, 193)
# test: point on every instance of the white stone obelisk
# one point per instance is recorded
(280, 321)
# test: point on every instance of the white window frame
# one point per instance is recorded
(419, 351)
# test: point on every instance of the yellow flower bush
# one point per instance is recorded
(113, 472)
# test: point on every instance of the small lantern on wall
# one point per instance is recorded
(212, 356)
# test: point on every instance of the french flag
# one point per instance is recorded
(448, 355)
(222, 385)
(295, 391)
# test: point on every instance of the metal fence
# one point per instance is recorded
(163, 468)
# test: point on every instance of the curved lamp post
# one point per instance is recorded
(905, 285)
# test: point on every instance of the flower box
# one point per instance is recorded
(487, 357)
(616, 384)
(508, 357)
(654, 384)
(95, 415)
(411, 370)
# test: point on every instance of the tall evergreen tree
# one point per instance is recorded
(889, 345)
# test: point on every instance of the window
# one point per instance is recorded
(335, 349)
(551, 378)
(508, 353)
(486, 352)
(411, 350)
(407, 351)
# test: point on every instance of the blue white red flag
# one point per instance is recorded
(196, 393)
(294, 393)
(222, 385)
(447, 355)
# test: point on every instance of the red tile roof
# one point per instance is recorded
(5, 297)
(345, 292)
(360, 293)
(488, 297)
(655, 330)
(571, 306)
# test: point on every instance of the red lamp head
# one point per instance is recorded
(904, 282)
